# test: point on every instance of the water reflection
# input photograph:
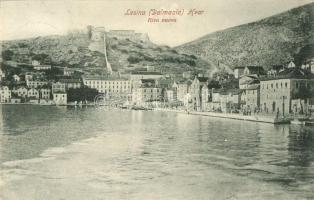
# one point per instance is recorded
(156, 148)
(301, 146)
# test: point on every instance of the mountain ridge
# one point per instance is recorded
(124, 54)
(234, 46)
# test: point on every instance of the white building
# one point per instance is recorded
(5, 94)
(145, 75)
(35, 62)
(35, 83)
(45, 93)
(33, 93)
(42, 67)
(16, 78)
(21, 92)
(2, 75)
(58, 87)
(60, 98)
(110, 86)
(71, 83)
(169, 95)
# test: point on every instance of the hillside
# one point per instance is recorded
(270, 41)
(125, 55)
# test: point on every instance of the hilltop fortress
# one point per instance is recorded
(98, 36)
(98, 39)
(128, 34)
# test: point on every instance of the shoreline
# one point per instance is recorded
(38, 104)
(252, 118)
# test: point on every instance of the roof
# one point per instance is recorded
(256, 69)
(45, 87)
(70, 80)
(228, 91)
(166, 82)
(292, 73)
(148, 81)
(99, 78)
(202, 79)
(184, 81)
(21, 87)
(253, 87)
(239, 67)
(38, 80)
(277, 67)
(251, 81)
(145, 73)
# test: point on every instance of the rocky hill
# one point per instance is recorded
(125, 55)
(270, 41)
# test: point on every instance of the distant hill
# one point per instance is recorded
(125, 55)
(270, 41)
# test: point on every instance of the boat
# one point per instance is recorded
(297, 122)
(309, 123)
(138, 108)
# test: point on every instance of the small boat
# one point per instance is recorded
(138, 108)
(297, 122)
(309, 123)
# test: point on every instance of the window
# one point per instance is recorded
(286, 84)
(272, 85)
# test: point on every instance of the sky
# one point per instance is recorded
(31, 18)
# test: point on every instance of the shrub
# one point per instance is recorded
(7, 54)
(134, 59)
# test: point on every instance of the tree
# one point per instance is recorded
(7, 54)
(304, 93)
(133, 59)
(53, 73)
(214, 84)
(42, 58)
(82, 94)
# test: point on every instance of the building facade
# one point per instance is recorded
(60, 98)
(33, 93)
(36, 83)
(45, 93)
(5, 94)
(71, 83)
(195, 91)
(251, 99)
(58, 87)
(112, 87)
(277, 94)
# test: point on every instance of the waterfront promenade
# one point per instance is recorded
(254, 118)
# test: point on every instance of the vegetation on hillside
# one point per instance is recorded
(274, 40)
(125, 55)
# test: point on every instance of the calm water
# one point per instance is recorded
(88, 153)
